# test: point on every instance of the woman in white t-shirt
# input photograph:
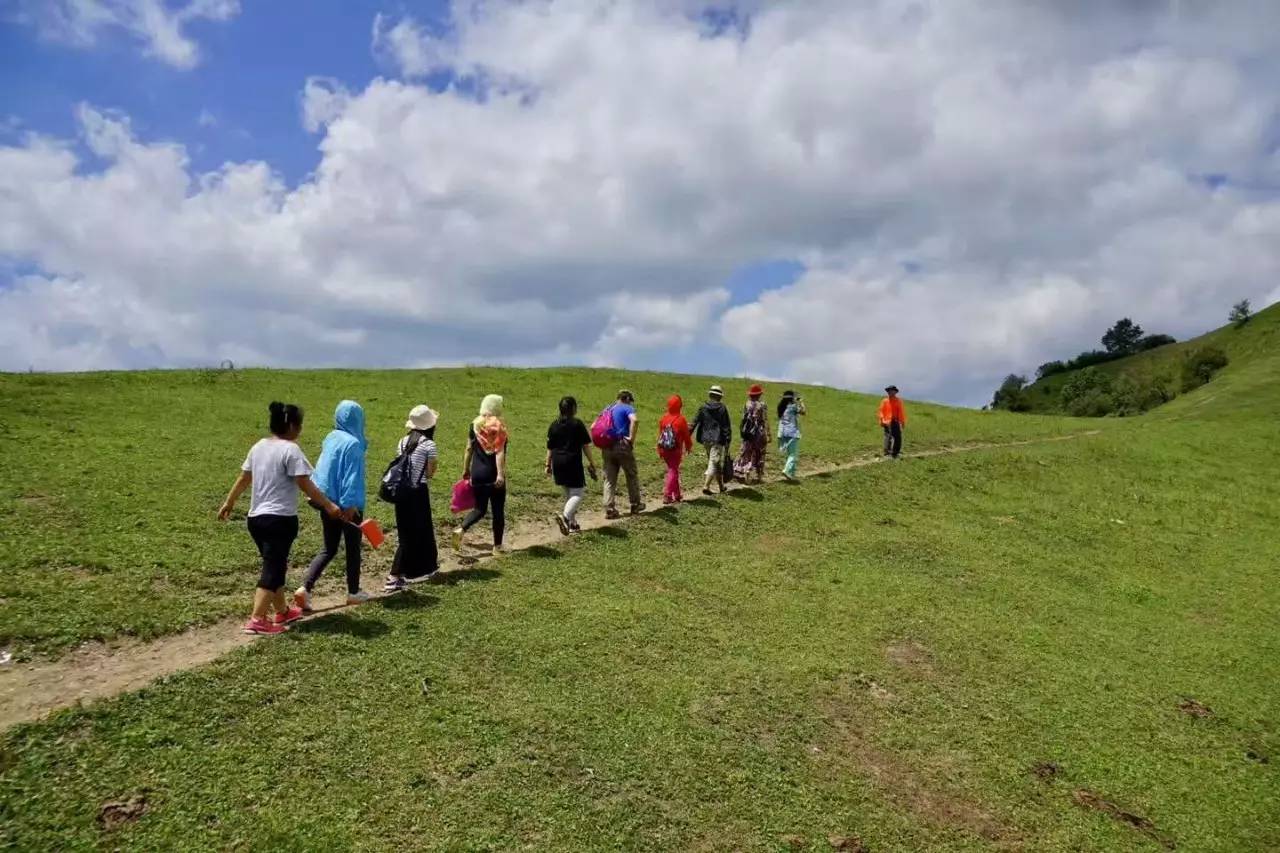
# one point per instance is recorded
(417, 557)
(277, 469)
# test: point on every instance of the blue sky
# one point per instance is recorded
(681, 185)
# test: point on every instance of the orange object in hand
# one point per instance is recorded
(369, 527)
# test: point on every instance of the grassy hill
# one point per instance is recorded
(112, 492)
(1241, 345)
(1057, 646)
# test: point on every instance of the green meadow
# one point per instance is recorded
(1053, 646)
(113, 490)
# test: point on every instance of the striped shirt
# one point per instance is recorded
(425, 449)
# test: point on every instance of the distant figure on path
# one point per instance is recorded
(340, 475)
(621, 456)
(893, 417)
(277, 469)
(674, 441)
(790, 408)
(486, 466)
(417, 557)
(712, 429)
(567, 442)
(754, 432)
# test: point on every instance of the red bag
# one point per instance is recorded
(602, 429)
(463, 497)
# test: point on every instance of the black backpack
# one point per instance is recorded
(395, 480)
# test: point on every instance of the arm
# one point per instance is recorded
(351, 484)
(548, 465)
(502, 468)
(631, 435)
(800, 409)
(312, 491)
(466, 463)
(591, 462)
(431, 468)
(241, 483)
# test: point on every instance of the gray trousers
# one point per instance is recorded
(620, 457)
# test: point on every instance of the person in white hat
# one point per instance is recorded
(712, 429)
(417, 558)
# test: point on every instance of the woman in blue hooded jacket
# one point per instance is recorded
(340, 475)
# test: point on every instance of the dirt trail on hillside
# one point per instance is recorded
(29, 691)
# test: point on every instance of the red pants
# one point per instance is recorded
(671, 485)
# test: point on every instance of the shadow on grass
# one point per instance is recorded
(343, 623)
(710, 503)
(462, 575)
(543, 552)
(409, 599)
(611, 532)
(746, 494)
(669, 514)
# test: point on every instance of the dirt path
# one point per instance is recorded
(29, 691)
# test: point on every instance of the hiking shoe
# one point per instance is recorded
(575, 527)
(707, 492)
(429, 577)
(637, 509)
(358, 597)
(258, 625)
(563, 524)
(302, 598)
(293, 614)
(612, 514)
(394, 584)
(456, 539)
(499, 548)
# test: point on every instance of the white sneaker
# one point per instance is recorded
(302, 599)
(358, 597)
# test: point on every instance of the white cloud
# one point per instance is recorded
(159, 25)
(206, 119)
(975, 187)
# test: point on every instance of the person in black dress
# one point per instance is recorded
(567, 442)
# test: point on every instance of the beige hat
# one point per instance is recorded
(421, 417)
(717, 391)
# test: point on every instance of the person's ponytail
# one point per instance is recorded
(283, 417)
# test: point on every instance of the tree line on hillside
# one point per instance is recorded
(1095, 393)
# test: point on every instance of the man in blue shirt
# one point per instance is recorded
(621, 456)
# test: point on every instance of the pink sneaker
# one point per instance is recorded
(263, 626)
(293, 614)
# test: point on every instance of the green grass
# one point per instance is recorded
(1245, 344)
(885, 652)
(735, 673)
(116, 477)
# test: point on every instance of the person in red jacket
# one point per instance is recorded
(674, 441)
(893, 417)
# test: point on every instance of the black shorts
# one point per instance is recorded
(274, 535)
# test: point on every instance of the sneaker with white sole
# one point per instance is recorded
(563, 524)
(358, 597)
(302, 598)
(394, 584)
(258, 625)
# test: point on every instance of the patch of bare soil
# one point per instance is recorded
(1193, 708)
(1046, 771)
(910, 655)
(1090, 800)
(116, 814)
(850, 843)
(930, 800)
(98, 670)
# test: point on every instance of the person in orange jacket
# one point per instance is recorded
(893, 417)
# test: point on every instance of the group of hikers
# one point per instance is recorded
(277, 471)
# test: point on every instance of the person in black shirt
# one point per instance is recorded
(567, 442)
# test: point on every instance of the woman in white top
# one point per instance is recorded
(417, 558)
(277, 469)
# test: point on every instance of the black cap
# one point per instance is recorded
(892, 389)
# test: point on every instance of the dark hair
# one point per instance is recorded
(788, 397)
(626, 396)
(568, 407)
(428, 433)
(283, 417)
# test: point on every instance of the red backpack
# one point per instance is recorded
(602, 429)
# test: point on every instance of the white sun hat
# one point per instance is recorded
(421, 417)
